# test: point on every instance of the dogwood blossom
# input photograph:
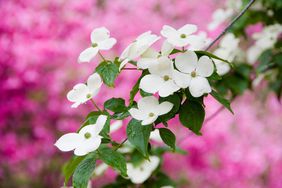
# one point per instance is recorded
(100, 40)
(218, 17)
(180, 37)
(155, 136)
(138, 47)
(85, 141)
(139, 174)
(199, 41)
(228, 49)
(151, 56)
(149, 109)
(195, 72)
(161, 79)
(83, 92)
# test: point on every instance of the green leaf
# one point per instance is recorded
(84, 171)
(221, 100)
(70, 167)
(92, 118)
(113, 159)
(192, 115)
(135, 88)
(145, 94)
(168, 137)
(212, 56)
(108, 71)
(138, 135)
(115, 105)
(121, 115)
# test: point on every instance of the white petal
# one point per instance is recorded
(164, 107)
(149, 120)
(145, 63)
(168, 31)
(177, 41)
(155, 135)
(122, 64)
(205, 66)
(78, 93)
(107, 44)
(100, 169)
(143, 35)
(94, 81)
(181, 79)
(87, 55)
(99, 34)
(168, 88)
(186, 62)
(146, 103)
(88, 145)
(188, 29)
(126, 51)
(221, 67)
(166, 48)
(150, 53)
(115, 126)
(151, 83)
(99, 125)
(199, 86)
(68, 141)
(137, 114)
(163, 67)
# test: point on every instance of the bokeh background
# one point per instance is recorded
(39, 45)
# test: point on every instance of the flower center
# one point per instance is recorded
(183, 36)
(166, 78)
(87, 135)
(88, 95)
(151, 114)
(193, 74)
(94, 45)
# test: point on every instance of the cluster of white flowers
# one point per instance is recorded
(263, 40)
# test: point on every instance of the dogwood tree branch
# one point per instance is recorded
(228, 27)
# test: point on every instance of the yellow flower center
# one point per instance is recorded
(183, 36)
(88, 95)
(193, 74)
(166, 78)
(94, 45)
(151, 114)
(87, 135)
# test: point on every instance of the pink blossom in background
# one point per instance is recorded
(39, 45)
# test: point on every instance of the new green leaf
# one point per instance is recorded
(115, 105)
(168, 137)
(221, 100)
(108, 72)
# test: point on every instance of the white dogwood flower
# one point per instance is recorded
(139, 174)
(161, 79)
(138, 47)
(149, 109)
(229, 50)
(155, 136)
(84, 92)
(195, 72)
(85, 141)
(218, 17)
(100, 40)
(180, 37)
(151, 56)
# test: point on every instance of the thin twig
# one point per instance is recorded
(93, 102)
(101, 56)
(231, 24)
(120, 144)
(129, 69)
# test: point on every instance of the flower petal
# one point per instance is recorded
(94, 82)
(99, 34)
(146, 103)
(221, 67)
(199, 86)
(101, 121)
(145, 63)
(107, 44)
(164, 107)
(78, 93)
(68, 141)
(150, 53)
(149, 120)
(166, 48)
(188, 29)
(137, 114)
(186, 62)
(205, 67)
(168, 88)
(115, 126)
(151, 83)
(122, 64)
(88, 145)
(163, 67)
(168, 31)
(181, 79)
(87, 55)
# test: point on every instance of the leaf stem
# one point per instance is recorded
(96, 106)
(120, 144)
(102, 56)
(231, 24)
(129, 69)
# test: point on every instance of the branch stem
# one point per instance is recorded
(101, 56)
(231, 24)
(96, 106)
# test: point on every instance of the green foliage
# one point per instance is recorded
(84, 170)
(221, 100)
(70, 167)
(138, 135)
(201, 53)
(108, 72)
(135, 88)
(192, 115)
(115, 105)
(113, 159)
(159, 180)
(168, 137)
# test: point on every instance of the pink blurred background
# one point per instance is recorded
(39, 45)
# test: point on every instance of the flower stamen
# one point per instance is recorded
(87, 135)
